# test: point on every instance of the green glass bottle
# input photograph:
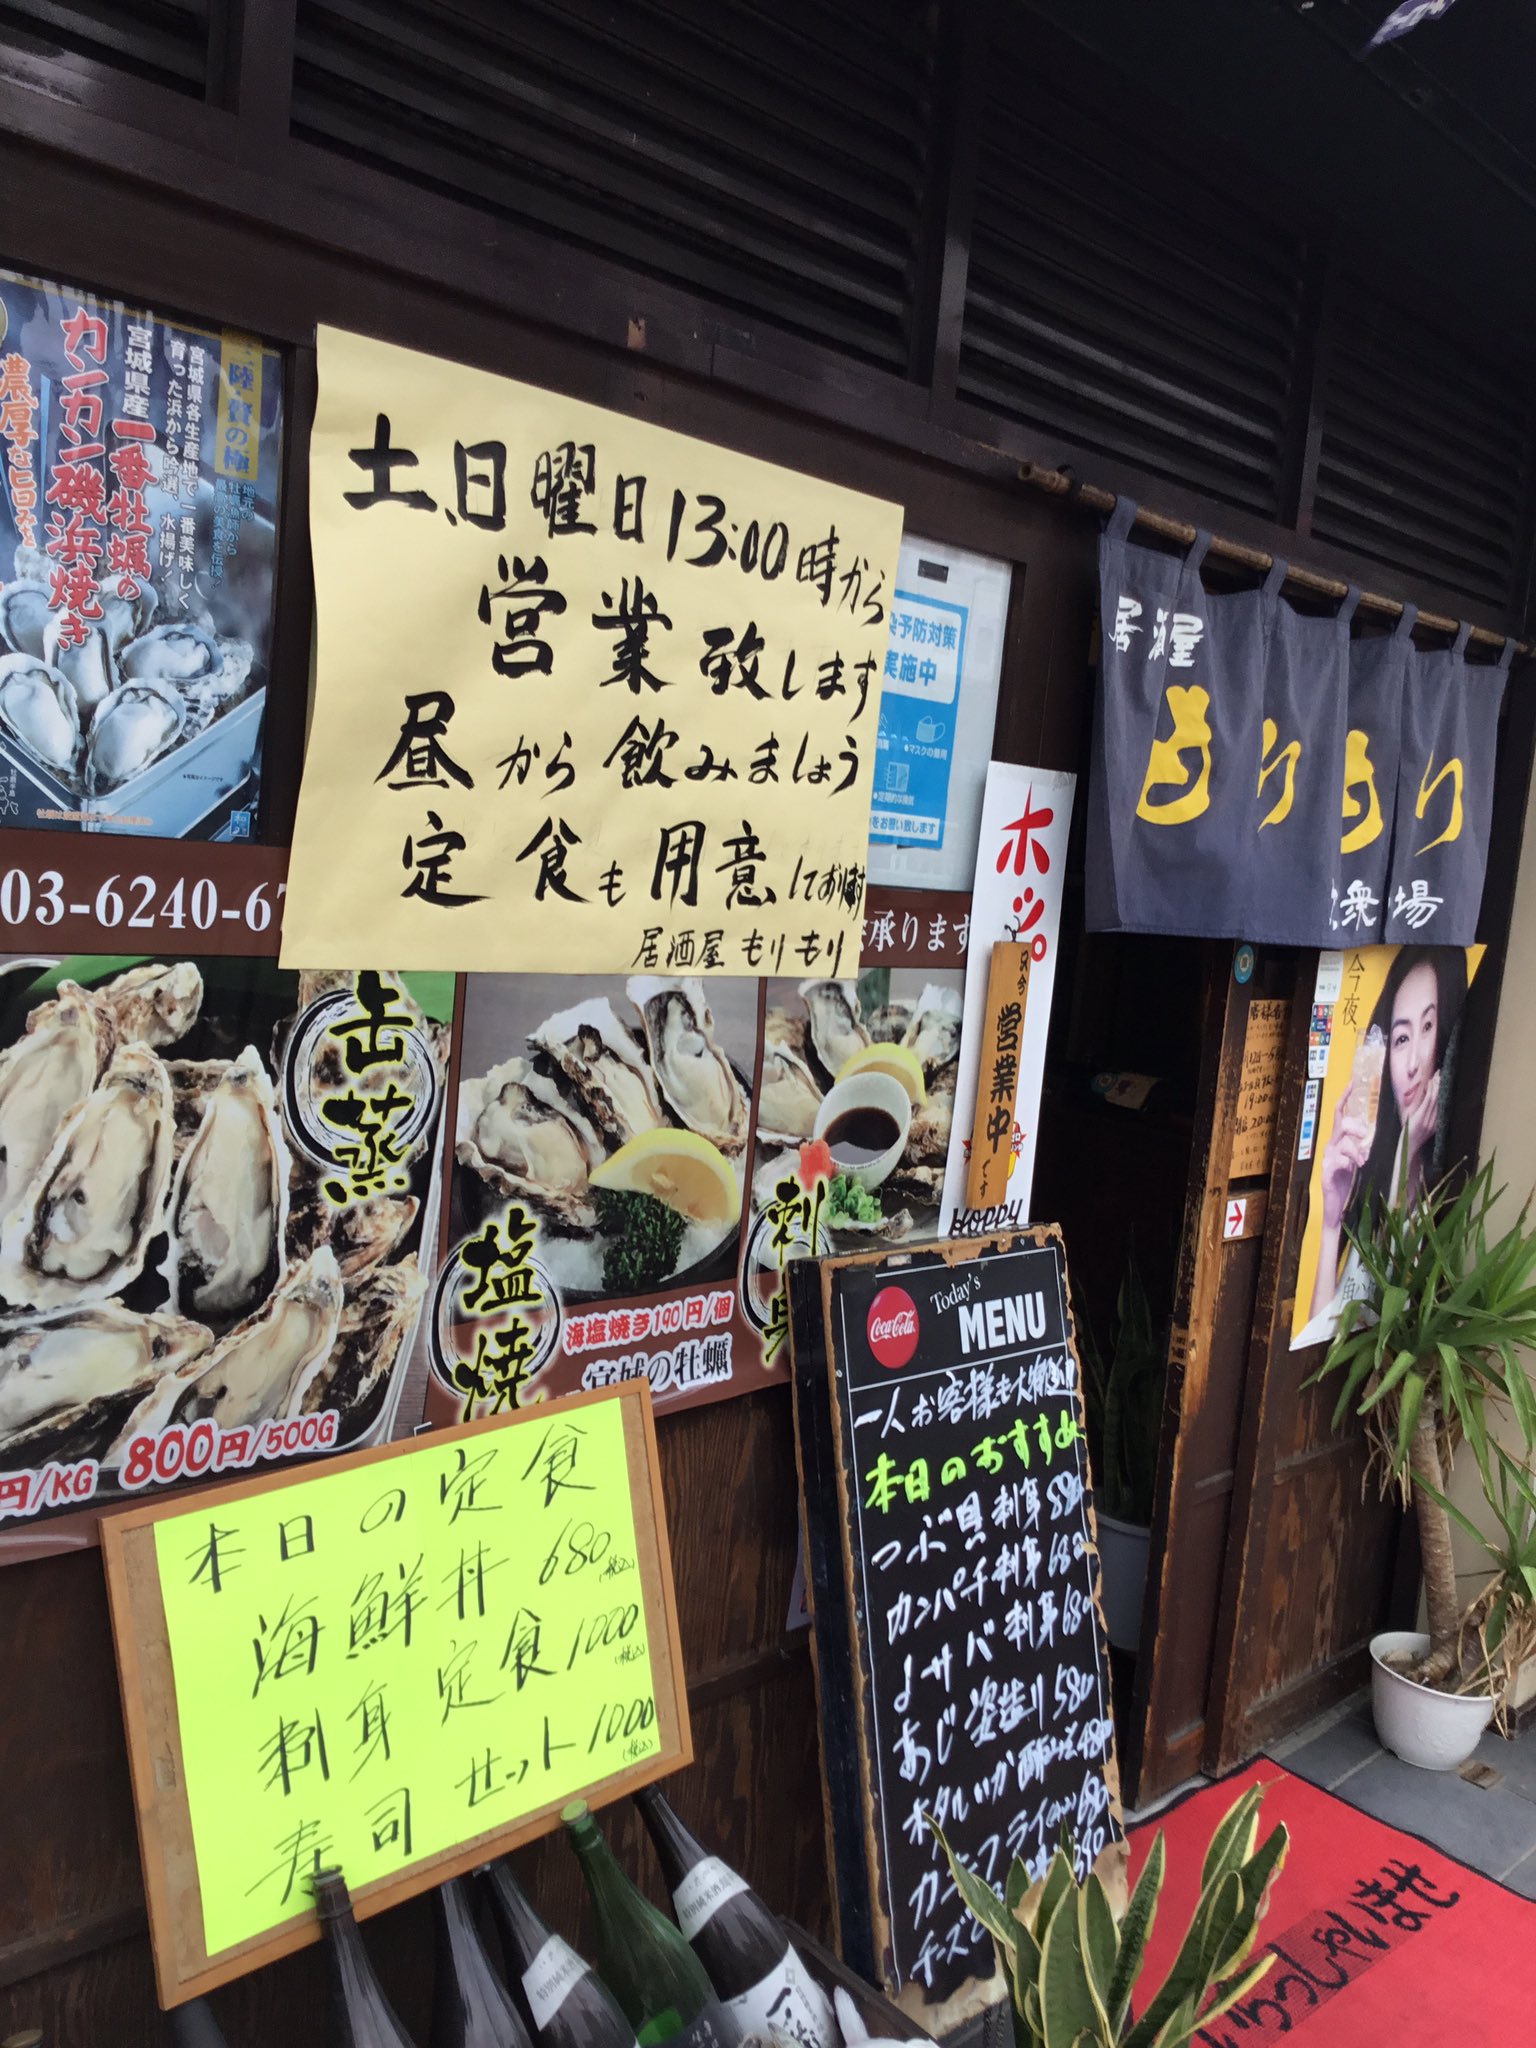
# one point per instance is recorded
(642, 1958)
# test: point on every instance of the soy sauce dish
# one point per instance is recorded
(865, 1121)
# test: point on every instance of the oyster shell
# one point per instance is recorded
(934, 1033)
(88, 666)
(38, 707)
(132, 727)
(229, 1203)
(192, 1082)
(780, 1028)
(694, 1075)
(787, 1097)
(44, 1076)
(375, 1322)
(177, 652)
(928, 1134)
(889, 1023)
(366, 1233)
(836, 1033)
(260, 1371)
(600, 1058)
(80, 1230)
(125, 618)
(64, 1385)
(520, 1134)
(24, 616)
(155, 1004)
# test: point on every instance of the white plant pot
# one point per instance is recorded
(1124, 1548)
(1437, 1731)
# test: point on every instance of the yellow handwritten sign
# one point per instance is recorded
(384, 1664)
(1253, 1121)
(591, 695)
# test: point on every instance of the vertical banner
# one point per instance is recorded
(140, 466)
(592, 697)
(1020, 863)
(1380, 1072)
(1378, 670)
(1444, 796)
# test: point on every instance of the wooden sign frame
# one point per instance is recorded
(183, 1966)
(858, 1880)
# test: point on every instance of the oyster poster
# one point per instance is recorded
(139, 475)
(216, 1191)
(592, 697)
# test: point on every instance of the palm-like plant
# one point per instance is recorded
(1452, 1314)
(1073, 1967)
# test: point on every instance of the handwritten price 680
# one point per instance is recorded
(129, 901)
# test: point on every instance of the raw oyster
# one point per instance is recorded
(192, 1082)
(64, 1385)
(154, 1004)
(131, 728)
(694, 1075)
(836, 1033)
(38, 706)
(262, 1369)
(82, 1227)
(125, 618)
(780, 1028)
(213, 694)
(24, 616)
(787, 1097)
(928, 1134)
(375, 1321)
(934, 1033)
(889, 1023)
(44, 1077)
(88, 666)
(178, 652)
(229, 1203)
(600, 1058)
(520, 1134)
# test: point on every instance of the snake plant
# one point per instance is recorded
(1073, 1967)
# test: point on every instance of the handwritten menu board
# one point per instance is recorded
(1253, 1121)
(637, 687)
(402, 1666)
(950, 1540)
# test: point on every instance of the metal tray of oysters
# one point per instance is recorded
(166, 1250)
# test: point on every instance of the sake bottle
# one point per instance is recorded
(471, 2007)
(762, 1981)
(644, 1961)
(361, 2016)
(568, 2004)
(192, 2026)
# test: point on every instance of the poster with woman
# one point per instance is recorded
(1385, 1031)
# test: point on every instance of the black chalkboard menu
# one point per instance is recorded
(962, 1668)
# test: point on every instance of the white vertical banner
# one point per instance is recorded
(1021, 860)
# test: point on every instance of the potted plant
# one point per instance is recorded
(1073, 1964)
(1422, 1368)
(1125, 1402)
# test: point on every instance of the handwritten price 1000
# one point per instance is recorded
(131, 903)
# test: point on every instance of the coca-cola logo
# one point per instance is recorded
(893, 1327)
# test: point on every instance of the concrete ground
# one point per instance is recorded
(1490, 1825)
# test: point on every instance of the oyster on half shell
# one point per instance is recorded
(229, 1202)
(82, 1227)
(520, 1135)
(44, 1076)
(836, 1033)
(787, 1097)
(64, 1385)
(365, 1233)
(156, 1004)
(260, 1371)
(39, 708)
(599, 1056)
(85, 664)
(132, 727)
(934, 1033)
(694, 1075)
(24, 616)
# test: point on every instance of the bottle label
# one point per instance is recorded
(787, 2001)
(548, 1979)
(710, 2030)
(703, 1892)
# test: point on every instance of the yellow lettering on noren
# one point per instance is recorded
(1167, 768)
(1360, 773)
(1427, 789)
(1285, 760)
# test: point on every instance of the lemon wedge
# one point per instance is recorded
(679, 1168)
(899, 1061)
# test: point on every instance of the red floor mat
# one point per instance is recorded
(1380, 1941)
